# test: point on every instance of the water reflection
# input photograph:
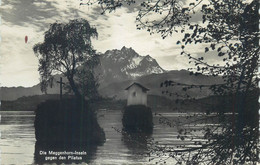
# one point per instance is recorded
(49, 153)
(18, 140)
(137, 143)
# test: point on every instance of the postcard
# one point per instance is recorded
(127, 82)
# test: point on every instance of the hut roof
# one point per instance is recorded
(143, 88)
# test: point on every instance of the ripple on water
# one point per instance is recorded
(18, 139)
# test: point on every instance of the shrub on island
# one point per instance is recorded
(68, 121)
(138, 117)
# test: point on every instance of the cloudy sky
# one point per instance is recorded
(20, 18)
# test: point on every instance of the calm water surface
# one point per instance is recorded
(18, 139)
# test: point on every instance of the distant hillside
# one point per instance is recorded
(117, 70)
(115, 66)
(153, 81)
(27, 103)
(156, 103)
(13, 93)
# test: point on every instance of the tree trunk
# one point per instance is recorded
(74, 88)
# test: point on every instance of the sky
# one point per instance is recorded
(20, 18)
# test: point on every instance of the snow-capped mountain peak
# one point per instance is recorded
(126, 64)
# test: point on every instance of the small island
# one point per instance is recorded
(137, 116)
(68, 121)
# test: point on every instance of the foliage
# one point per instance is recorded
(85, 79)
(137, 117)
(108, 5)
(67, 121)
(230, 30)
(229, 27)
(66, 125)
(65, 49)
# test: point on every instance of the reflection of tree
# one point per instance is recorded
(230, 30)
(66, 125)
(209, 139)
(137, 142)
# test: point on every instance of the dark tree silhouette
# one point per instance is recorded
(230, 29)
(87, 83)
(67, 50)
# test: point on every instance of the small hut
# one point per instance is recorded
(137, 94)
(137, 116)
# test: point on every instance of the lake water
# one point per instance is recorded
(18, 139)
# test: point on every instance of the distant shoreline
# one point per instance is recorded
(156, 103)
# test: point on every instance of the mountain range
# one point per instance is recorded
(117, 70)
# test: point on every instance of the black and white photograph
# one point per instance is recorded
(129, 82)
